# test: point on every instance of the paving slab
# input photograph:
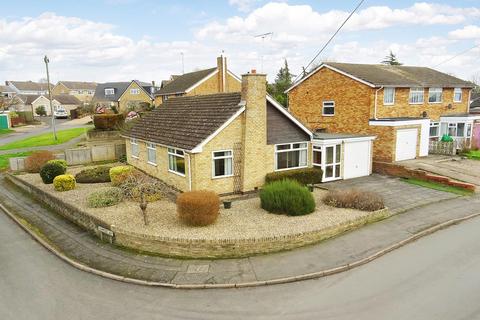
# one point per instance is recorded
(361, 243)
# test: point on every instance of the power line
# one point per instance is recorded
(457, 55)
(331, 38)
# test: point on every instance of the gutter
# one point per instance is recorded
(375, 108)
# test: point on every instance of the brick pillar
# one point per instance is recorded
(254, 138)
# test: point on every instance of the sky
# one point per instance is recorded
(121, 40)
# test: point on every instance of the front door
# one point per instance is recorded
(333, 159)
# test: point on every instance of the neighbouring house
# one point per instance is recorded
(83, 91)
(28, 87)
(29, 104)
(125, 96)
(207, 81)
(228, 142)
(7, 92)
(404, 106)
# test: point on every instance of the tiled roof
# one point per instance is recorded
(66, 99)
(79, 85)
(6, 89)
(184, 122)
(30, 85)
(402, 76)
(119, 89)
(181, 83)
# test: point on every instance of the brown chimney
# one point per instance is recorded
(254, 140)
(222, 73)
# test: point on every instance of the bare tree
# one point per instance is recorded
(475, 78)
(142, 189)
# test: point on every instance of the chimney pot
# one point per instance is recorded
(254, 71)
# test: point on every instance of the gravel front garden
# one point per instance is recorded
(244, 221)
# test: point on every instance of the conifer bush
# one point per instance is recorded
(198, 208)
(287, 197)
(50, 170)
(64, 182)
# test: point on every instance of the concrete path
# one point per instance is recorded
(434, 278)
(458, 168)
(81, 246)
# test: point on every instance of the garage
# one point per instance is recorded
(406, 145)
(357, 160)
(342, 156)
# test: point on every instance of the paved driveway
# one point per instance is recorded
(399, 196)
(466, 170)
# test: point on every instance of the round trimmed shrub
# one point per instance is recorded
(287, 197)
(119, 174)
(99, 174)
(64, 182)
(61, 162)
(198, 208)
(50, 170)
(35, 161)
(105, 197)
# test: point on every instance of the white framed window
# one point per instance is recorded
(176, 161)
(388, 96)
(434, 129)
(328, 108)
(317, 156)
(151, 154)
(109, 91)
(134, 91)
(457, 95)
(416, 96)
(435, 95)
(134, 148)
(222, 165)
(290, 156)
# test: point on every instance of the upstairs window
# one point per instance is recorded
(176, 161)
(135, 91)
(151, 154)
(109, 92)
(328, 108)
(222, 163)
(134, 148)
(457, 95)
(415, 96)
(435, 95)
(388, 96)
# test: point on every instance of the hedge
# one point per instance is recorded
(198, 208)
(108, 121)
(302, 176)
(99, 174)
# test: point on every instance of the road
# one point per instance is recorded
(436, 277)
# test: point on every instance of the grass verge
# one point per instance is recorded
(45, 139)
(6, 131)
(4, 163)
(473, 154)
(438, 186)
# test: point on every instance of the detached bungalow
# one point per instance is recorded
(228, 142)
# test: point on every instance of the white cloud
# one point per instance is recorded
(242, 5)
(467, 32)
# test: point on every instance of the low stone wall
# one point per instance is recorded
(398, 170)
(183, 248)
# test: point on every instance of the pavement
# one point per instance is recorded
(435, 277)
(454, 167)
(79, 245)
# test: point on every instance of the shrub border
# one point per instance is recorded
(193, 248)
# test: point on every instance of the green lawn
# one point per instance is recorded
(473, 154)
(45, 139)
(4, 158)
(438, 186)
(6, 131)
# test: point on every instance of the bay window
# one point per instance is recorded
(222, 163)
(291, 155)
(416, 96)
(435, 95)
(151, 154)
(176, 161)
(388, 96)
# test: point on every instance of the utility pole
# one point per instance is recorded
(263, 36)
(183, 63)
(50, 98)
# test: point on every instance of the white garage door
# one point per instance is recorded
(357, 159)
(406, 147)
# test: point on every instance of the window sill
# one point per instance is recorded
(389, 104)
(135, 157)
(328, 115)
(457, 101)
(286, 169)
(152, 163)
(415, 103)
(177, 173)
(221, 177)
(439, 102)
